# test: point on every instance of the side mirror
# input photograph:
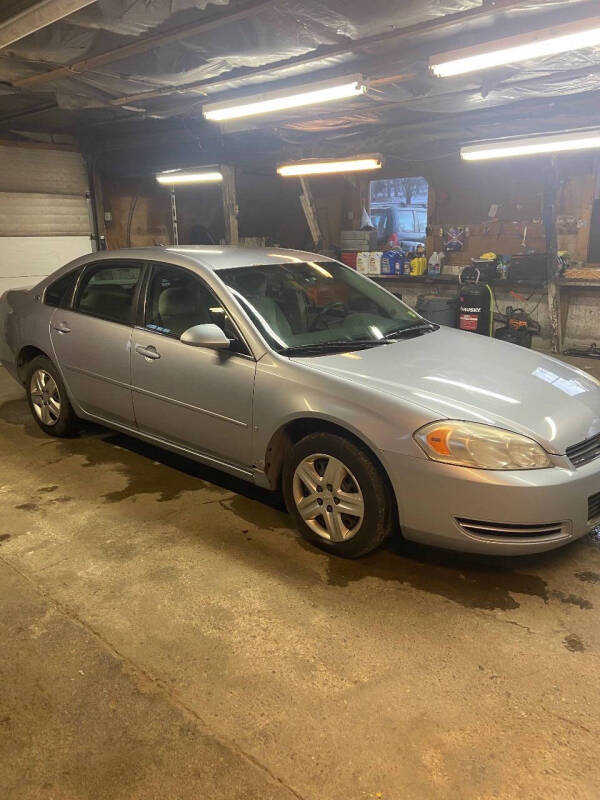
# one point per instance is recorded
(209, 335)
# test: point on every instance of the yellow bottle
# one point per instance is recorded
(418, 266)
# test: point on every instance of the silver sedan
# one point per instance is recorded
(294, 372)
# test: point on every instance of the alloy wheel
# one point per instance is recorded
(328, 497)
(45, 397)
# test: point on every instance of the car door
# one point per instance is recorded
(92, 339)
(195, 397)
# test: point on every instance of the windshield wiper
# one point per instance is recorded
(422, 327)
(341, 345)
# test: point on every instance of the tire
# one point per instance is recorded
(306, 470)
(48, 400)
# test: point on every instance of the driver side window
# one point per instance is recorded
(177, 300)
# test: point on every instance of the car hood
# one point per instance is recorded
(458, 375)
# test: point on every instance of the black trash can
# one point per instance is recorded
(441, 310)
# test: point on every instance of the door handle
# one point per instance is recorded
(148, 352)
(61, 327)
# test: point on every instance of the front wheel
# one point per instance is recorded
(337, 496)
(47, 398)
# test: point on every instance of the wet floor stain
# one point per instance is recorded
(472, 586)
(571, 599)
(588, 577)
(152, 470)
(573, 643)
(32, 507)
(102, 447)
(265, 512)
(136, 462)
(28, 507)
(59, 500)
(16, 412)
(149, 469)
(470, 581)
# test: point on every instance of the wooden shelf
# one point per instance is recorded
(416, 278)
(579, 284)
(452, 280)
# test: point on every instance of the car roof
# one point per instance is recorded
(217, 257)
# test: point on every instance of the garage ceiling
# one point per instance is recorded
(116, 72)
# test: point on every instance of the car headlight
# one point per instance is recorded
(471, 444)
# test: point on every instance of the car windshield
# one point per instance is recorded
(318, 304)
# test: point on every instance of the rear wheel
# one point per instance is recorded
(336, 494)
(48, 399)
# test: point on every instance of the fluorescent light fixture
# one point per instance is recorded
(266, 103)
(330, 166)
(584, 139)
(513, 49)
(174, 177)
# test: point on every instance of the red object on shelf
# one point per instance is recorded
(349, 258)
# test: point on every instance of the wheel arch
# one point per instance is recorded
(25, 356)
(292, 431)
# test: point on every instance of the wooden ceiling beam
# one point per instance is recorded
(37, 16)
(143, 45)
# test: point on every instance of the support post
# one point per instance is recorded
(97, 206)
(310, 212)
(551, 189)
(230, 206)
(174, 217)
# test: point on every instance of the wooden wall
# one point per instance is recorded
(269, 207)
(142, 201)
(461, 195)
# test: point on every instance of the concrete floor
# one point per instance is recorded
(165, 634)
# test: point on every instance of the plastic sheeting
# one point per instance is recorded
(280, 31)
(287, 29)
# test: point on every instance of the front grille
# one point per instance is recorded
(594, 506)
(499, 530)
(584, 452)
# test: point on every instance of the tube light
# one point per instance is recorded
(177, 176)
(513, 49)
(532, 145)
(313, 167)
(324, 92)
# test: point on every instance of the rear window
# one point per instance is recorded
(59, 293)
(108, 292)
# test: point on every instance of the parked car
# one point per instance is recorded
(409, 223)
(292, 371)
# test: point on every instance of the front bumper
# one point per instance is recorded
(432, 497)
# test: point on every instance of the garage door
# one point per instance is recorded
(44, 215)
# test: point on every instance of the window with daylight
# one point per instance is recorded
(399, 211)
